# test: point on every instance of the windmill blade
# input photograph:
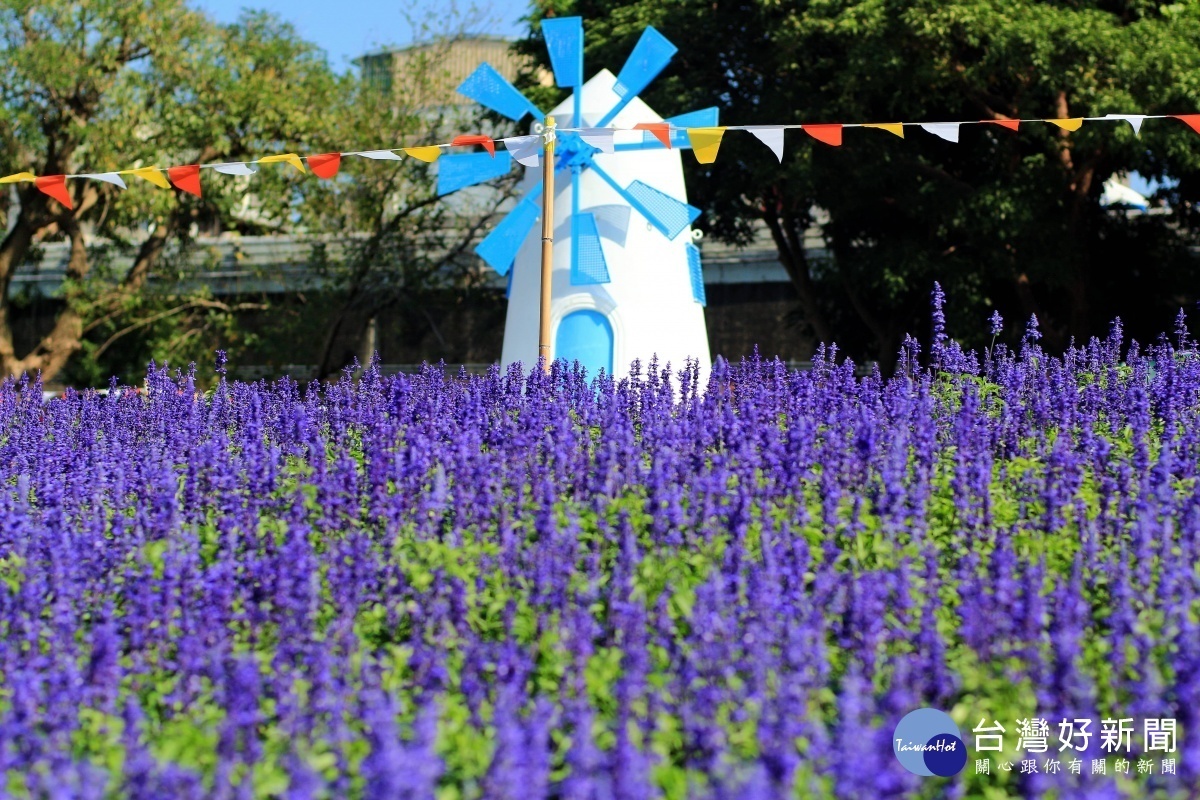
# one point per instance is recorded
(564, 41)
(499, 248)
(660, 209)
(703, 118)
(575, 257)
(695, 273)
(468, 169)
(650, 56)
(489, 88)
(700, 118)
(588, 266)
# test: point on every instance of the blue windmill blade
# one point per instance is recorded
(589, 265)
(696, 273)
(575, 172)
(701, 118)
(564, 41)
(468, 169)
(499, 248)
(650, 56)
(489, 88)
(661, 210)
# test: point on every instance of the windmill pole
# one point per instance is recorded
(547, 245)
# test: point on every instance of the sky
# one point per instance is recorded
(346, 29)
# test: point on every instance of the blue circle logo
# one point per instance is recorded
(928, 743)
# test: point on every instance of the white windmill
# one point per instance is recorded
(626, 282)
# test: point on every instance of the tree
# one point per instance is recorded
(109, 84)
(408, 246)
(1003, 219)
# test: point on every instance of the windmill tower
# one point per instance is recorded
(626, 282)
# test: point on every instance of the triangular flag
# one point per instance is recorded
(234, 168)
(599, 138)
(152, 174)
(944, 130)
(829, 134)
(55, 186)
(284, 158)
(325, 165)
(475, 138)
(1192, 121)
(525, 149)
(896, 128)
(1011, 124)
(20, 177)
(1135, 120)
(771, 136)
(186, 178)
(1072, 124)
(379, 155)
(705, 143)
(429, 153)
(107, 177)
(661, 131)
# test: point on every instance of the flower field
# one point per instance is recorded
(513, 586)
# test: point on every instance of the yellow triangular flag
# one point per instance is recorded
(152, 174)
(429, 153)
(1072, 124)
(891, 127)
(705, 143)
(289, 158)
(20, 177)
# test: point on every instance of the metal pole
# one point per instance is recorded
(547, 244)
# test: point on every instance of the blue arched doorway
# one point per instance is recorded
(586, 337)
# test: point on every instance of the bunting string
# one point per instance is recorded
(705, 143)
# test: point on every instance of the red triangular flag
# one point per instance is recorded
(829, 134)
(325, 165)
(186, 178)
(56, 187)
(661, 131)
(1192, 120)
(475, 138)
(1011, 124)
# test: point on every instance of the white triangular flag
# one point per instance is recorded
(945, 130)
(599, 138)
(233, 168)
(525, 149)
(107, 177)
(771, 136)
(378, 155)
(1133, 119)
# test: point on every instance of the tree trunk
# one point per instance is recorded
(370, 342)
(329, 361)
(52, 352)
(12, 252)
(1081, 177)
(790, 245)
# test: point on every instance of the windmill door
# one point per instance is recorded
(586, 337)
